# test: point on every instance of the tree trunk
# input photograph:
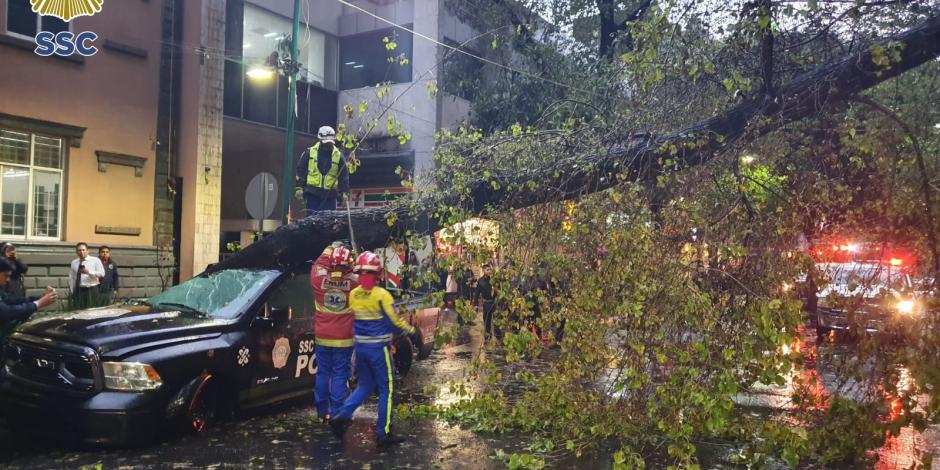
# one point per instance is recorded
(824, 88)
(608, 28)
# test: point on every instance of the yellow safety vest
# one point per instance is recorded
(315, 178)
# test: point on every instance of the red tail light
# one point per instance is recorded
(896, 262)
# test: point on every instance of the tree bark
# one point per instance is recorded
(767, 48)
(640, 157)
(609, 27)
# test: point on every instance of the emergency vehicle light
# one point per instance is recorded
(896, 262)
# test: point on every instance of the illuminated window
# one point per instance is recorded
(31, 168)
(252, 35)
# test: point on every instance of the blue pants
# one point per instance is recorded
(317, 203)
(333, 369)
(374, 367)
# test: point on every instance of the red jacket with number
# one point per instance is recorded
(333, 325)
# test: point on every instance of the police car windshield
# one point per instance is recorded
(220, 295)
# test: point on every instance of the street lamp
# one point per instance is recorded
(258, 72)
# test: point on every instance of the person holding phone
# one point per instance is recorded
(85, 277)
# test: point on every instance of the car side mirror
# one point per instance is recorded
(280, 315)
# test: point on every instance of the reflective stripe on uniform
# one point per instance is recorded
(366, 315)
(373, 339)
(334, 343)
(391, 390)
(324, 309)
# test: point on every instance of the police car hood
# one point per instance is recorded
(112, 329)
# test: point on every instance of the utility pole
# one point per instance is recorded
(292, 70)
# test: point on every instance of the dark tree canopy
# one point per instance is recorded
(631, 154)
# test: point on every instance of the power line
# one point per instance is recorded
(457, 49)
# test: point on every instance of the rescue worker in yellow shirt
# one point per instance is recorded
(375, 322)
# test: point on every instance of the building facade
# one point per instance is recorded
(344, 53)
(78, 140)
(149, 145)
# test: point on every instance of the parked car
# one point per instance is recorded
(866, 297)
(214, 345)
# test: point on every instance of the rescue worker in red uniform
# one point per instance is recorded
(332, 280)
(375, 323)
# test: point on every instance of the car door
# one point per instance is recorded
(283, 338)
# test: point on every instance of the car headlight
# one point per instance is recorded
(907, 307)
(130, 376)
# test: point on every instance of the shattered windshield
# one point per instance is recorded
(219, 295)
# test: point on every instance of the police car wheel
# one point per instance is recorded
(404, 355)
(201, 410)
(425, 349)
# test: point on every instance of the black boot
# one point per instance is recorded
(389, 439)
(339, 426)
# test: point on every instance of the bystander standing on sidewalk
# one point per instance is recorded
(15, 287)
(84, 278)
(110, 283)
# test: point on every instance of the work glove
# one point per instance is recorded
(298, 193)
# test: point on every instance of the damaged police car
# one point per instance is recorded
(214, 345)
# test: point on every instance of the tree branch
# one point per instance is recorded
(767, 47)
(609, 28)
(921, 166)
(636, 155)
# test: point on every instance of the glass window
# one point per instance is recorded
(296, 294)
(46, 190)
(15, 194)
(31, 172)
(14, 147)
(260, 103)
(258, 97)
(224, 294)
(48, 152)
(233, 88)
(303, 108)
(282, 101)
(368, 59)
(322, 108)
(264, 33)
(22, 20)
(312, 47)
(53, 24)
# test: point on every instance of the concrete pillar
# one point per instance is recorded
(200, 163)
(426, 55)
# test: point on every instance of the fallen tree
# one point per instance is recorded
(636, 156)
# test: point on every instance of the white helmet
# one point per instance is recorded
(326, 134)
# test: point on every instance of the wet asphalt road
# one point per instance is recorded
(291, 437)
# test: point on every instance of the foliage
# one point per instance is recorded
(671, 295)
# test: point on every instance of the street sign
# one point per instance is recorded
(261, 196)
